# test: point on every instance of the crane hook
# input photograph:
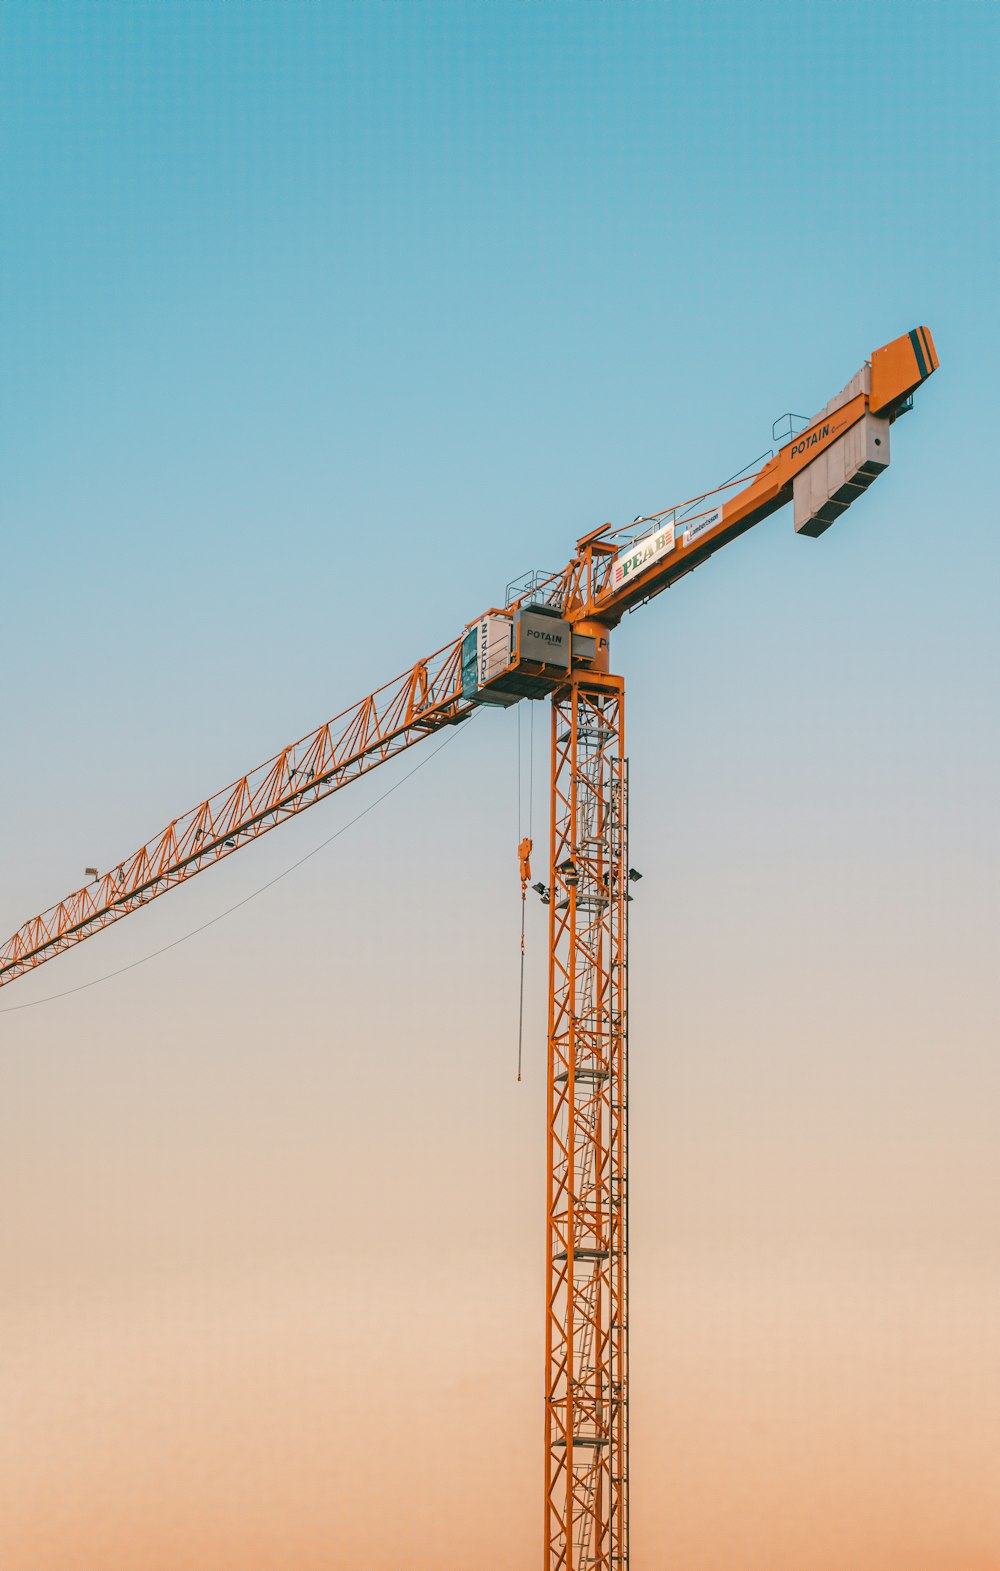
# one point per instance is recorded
(524, 860)
(524, 857)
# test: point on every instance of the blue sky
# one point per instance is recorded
(323, 322)
(320, 323)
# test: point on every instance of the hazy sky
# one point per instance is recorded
(319, 323)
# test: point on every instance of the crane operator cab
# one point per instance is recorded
(527, 654)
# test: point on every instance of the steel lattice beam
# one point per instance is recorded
(587, 1308)
(416, 704)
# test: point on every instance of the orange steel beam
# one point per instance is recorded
(586, 1398)
(416, 704)
(702, 525)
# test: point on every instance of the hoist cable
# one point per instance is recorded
(521, 846)
(520, 1009)
(520, 793)
(531, 769)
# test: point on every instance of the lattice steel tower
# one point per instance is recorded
(586, 1405)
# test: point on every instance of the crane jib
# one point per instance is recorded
(827, 468)
(810, 440)
(65, 930)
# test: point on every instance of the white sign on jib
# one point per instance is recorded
(640, 554)
(701, 526)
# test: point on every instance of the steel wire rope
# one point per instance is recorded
(520, 998)
(531, 770)
(109, 976)
(520, 785)
(531, 817)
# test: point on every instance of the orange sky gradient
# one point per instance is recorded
(321, 323)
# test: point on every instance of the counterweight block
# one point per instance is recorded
(840, 474)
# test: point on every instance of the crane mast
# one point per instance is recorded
(551, 639)
(586, 1342)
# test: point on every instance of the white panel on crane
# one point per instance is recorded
(839, 475)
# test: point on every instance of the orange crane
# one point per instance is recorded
(551, 639)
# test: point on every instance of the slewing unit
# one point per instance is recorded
(525, 654)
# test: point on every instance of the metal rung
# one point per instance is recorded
(598, 733)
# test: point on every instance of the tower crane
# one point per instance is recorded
(550, 639)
